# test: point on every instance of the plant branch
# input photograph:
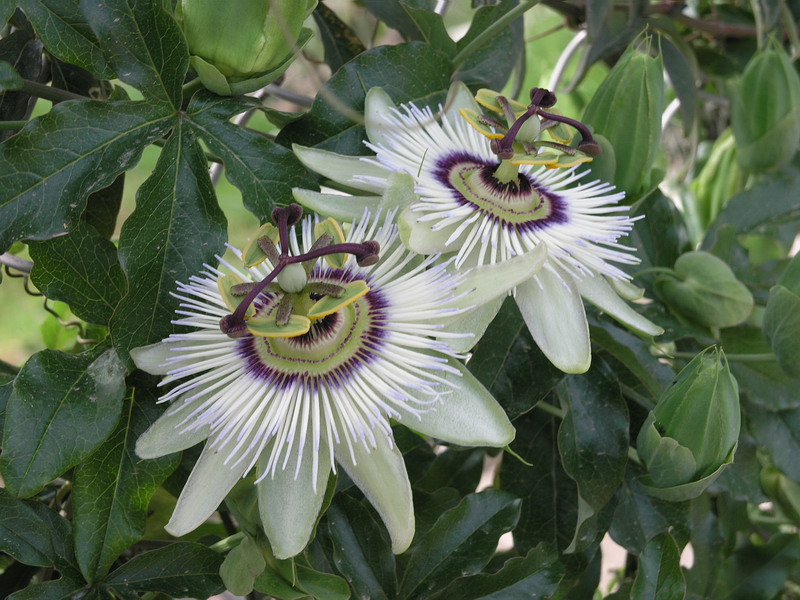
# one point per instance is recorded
(490, 32)
(49, 92)
(742, 358)
(283, 94)
(11, 125)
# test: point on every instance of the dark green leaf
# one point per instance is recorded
(6, 10)
(180, 569)
(758, 572)
(341, 43)
(144, 44)
(458, 469)
(9, 78)
(61, 540)
(430, 26)
(24, 53)
(661, 234)
(597, 12)
(62, 408)
(550, 497)
(659, 576)
(23, 535)
(412, 72)
(56, 161)
(429, 506)
(62, 589)
(157, 252)
(767, 204)
(393, 14)
(707, 547)
(264, 171)
(779, 434)
(460, 543)
(639, 517)
(593, 441)
(322, 586)
(509, 363)
(102, 207)
(112, 490)
(361, 550)
(81, 269)
(491, 65)
(782, 328)
(64, 30)
(741, 478)
(682, 76)
(535, 575)
(71, 78)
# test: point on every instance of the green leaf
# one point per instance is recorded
(81, 269)
(640, 517)
(57, 395)
(9, 78)
(56, 161)
(510, 365)
(593, 441)
(394, 15)
(412, 72)
(126, 31)
(322, 586)
(782, 328)
(112, 490)
(180, 569)
(361, 549)
(341, 43)
(102, 207)
(460, 543)
(707, 544)
(264, 171)
(758, 572)
(535, 575)
(5, 394)
(597, 12)
(64, 30)
(659, 576)
(242, 566)
(430, 27)
(62, 589)
(491, 65)
(661, 234)
(24, 53)
(157, 252)
(454, 468)
(682, 76)
(23, 535)
(779, 434)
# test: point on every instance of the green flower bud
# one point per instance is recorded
(704, 290)
(693, 430)
(293, 278)
(626, 109)
(237, 47)
(720, 179)
(765, 110)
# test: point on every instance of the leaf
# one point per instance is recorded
(593, 442)
(322, 586)
(510, 365)
(23, 535)
(55, 396)
(597, 12)
(81, 269)
(460, 543)
(62, 589)
(455, 468)
(126, 31)
(24, 53)
(779, 434)
(180, 569)
(361, 549)
(661, 234)
(758, 572)
(491, 65)
(682, 76)
(64, 30)
(782, 328)
(57, 160)
(639, 518)
(535, 575)
(5, 394)
(112, 490)
(155, 253)
(659, 576)
(341, 43)
(394, 15)
(412, 72)
(102, 207)
(430, 27)
(264, 171)
(9, 78)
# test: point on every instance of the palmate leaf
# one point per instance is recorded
(659, 576)
(55, 397)
(112, 490)
(156, 252)
(56, 161)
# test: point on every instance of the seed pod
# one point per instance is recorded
(694, 428)
(704, 290)
(626, 109)
(721, 178)
(765, 110)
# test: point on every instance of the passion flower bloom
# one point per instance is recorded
(298, 359)
(484, 197)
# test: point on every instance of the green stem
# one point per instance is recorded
(492, 31)
(49, 92)
(651, 270)
(550, 409)
(758, 17)
(11, 125)
(190, 88)
(228, 543)
(641, 400)
(791, 30)
(743, 358)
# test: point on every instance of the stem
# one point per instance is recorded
(283, 94)
(15, 262)
(228, 543)
(742, 358)
(11, 125)
(550, 409)
(641, 400)
(190, 88)
(791, 30)
(758, 17)
(49, 93)
(490, 32)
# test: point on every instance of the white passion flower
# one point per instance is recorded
(298, 359)
(467, 189)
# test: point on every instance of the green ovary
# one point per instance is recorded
(515, 202)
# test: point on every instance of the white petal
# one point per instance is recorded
(458, 97)
(419, 237)
(346, 170)
(290, 501)
(378, 105)
(166, 434)
(597, 291)
(209, 483)
(557, 320)
(343, 208)
(467, 414)
(381, 475)
(475, 322)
